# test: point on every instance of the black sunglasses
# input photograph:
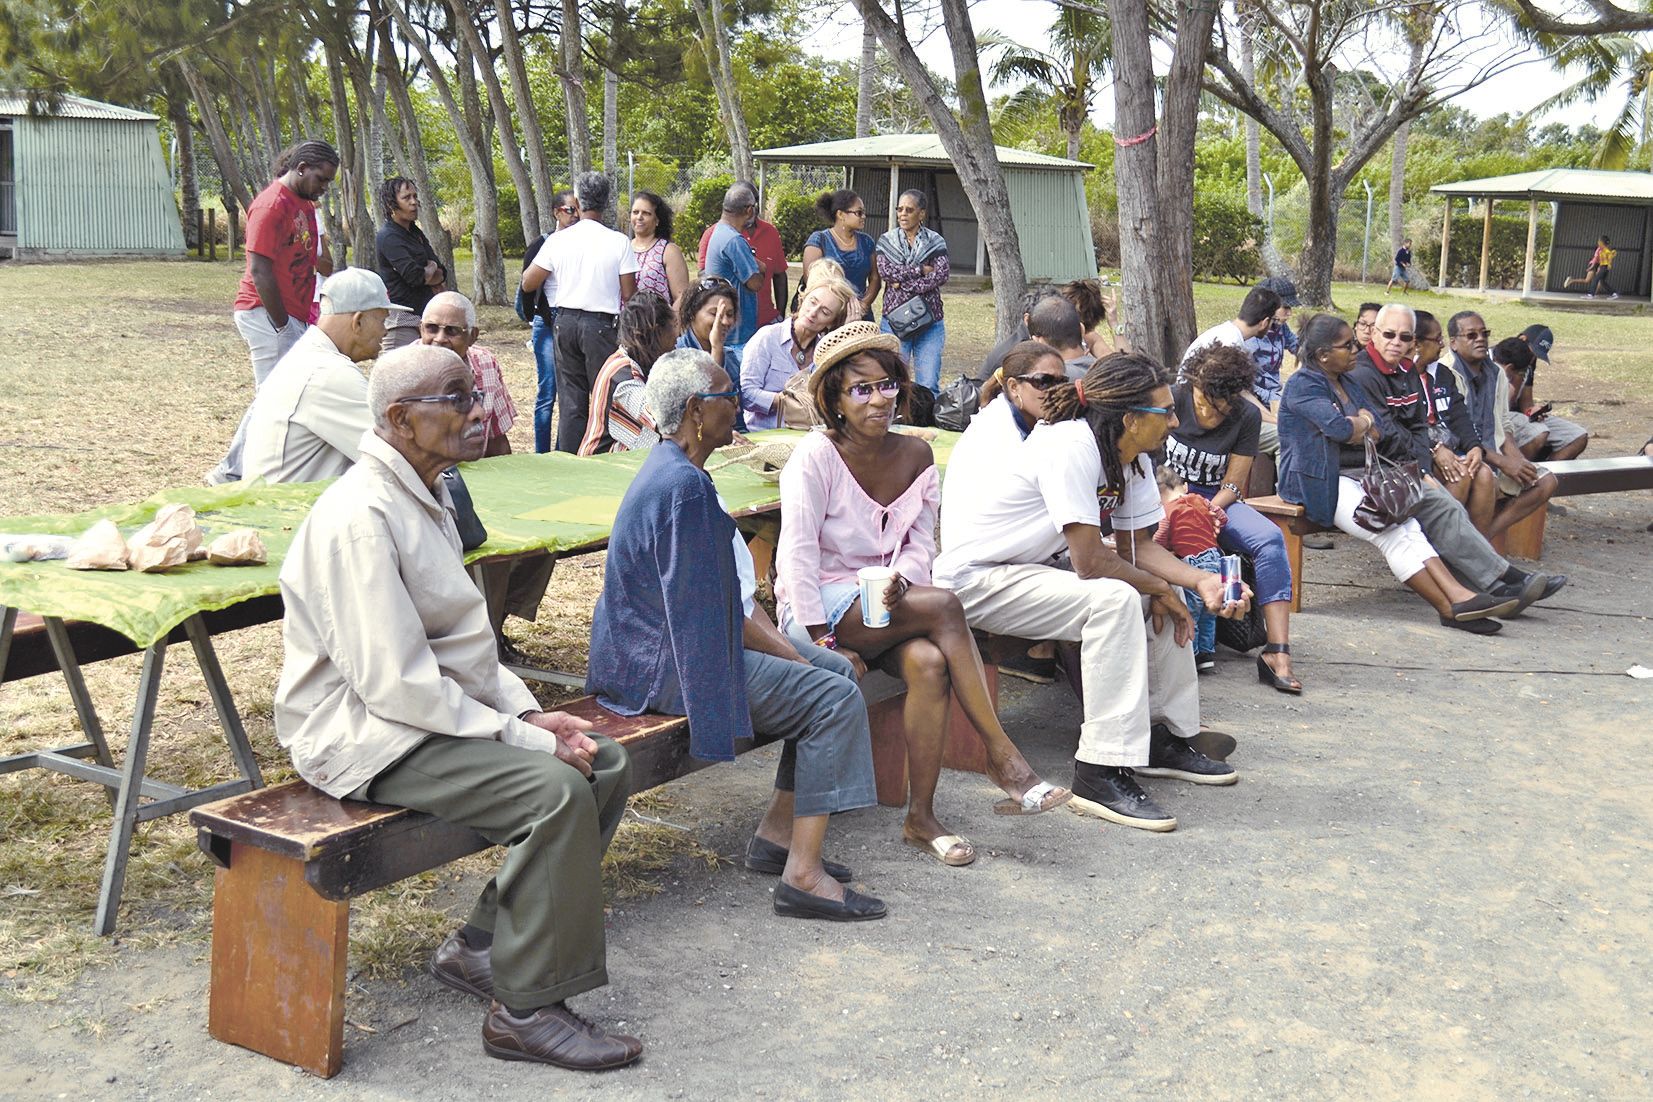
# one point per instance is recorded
(1041, 381)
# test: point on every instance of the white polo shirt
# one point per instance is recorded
(586, 261)
(1014, 512)
(307, 419)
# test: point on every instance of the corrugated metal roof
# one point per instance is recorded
(1557, 183)
(923, 150)
(72, 107)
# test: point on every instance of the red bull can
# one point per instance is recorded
(1233, 583)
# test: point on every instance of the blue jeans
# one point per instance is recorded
(1253, 535)
(923, 352)
(827, 761)
(1205, 623)
(545, 366)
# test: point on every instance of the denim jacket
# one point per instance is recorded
(1314, 424)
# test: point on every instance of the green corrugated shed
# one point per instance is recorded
(1047, 198)
(88, 179)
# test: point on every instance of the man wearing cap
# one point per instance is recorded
(307, 420)
(1538, 433)
(766, 244)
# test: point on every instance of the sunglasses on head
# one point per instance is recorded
(461, 402)
(1040, 381)
(432, 329)
(1406, 336)
(710, 282)
(863, 392)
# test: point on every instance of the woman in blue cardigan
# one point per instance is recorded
(1323, 429)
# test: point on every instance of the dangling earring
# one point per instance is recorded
(699, 432)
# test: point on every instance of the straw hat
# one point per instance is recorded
(847, 340)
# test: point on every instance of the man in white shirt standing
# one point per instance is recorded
(391, 691)
(307, 419)
(1003, 544)
(585, 269)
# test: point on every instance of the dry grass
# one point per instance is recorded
(122, 378)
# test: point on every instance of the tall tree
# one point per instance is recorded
(1415, 22)
(1068, 72)
(866, 82)
(415, 165)
(571, 71)
(714, 43)
(967, 136)
(1616, 65)
(510, 150)
(533, 135)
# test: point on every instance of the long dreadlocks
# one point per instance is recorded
(1103, 398)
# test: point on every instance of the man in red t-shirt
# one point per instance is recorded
(272, 305)
(765, 240)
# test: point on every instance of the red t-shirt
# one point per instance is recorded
(1189, 526)
(765, 240)
(282, 227)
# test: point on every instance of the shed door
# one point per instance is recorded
(8, 181)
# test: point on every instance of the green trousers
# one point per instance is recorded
(545, 904)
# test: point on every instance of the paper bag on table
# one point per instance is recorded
(171, 539)
(100, 547)
(242, 547)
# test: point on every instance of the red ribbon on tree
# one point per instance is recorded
(1126, 143)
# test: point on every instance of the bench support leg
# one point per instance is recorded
(1294, 556)
(278, 962)
(1525, 538)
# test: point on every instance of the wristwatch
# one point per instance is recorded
(1235, 490)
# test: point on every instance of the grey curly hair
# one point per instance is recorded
(673, 380)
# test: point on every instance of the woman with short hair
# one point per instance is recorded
(913, 264)
(856, 496)
(677, 630)
(661, 267)
(407, 263)
(846, 241)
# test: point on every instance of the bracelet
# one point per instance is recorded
(1235, 490)
(829, 641)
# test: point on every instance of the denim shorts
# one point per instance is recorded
(836, 597)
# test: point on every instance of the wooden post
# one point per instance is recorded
(1486, 241)
(200, 232)
(895, 189)
(1446, 241)
(761, 167)
(1532, 246)
(212, 233)
(233, 216)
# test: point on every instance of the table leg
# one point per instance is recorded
(8, 627)
(222, 700)
(128, 795)
(70, 665)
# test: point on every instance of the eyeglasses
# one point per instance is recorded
(1350, 345)
(461, 402)
(1475, 334)
(572, 212)
(1041, 381)
(1151, 409)
(732, 395)
(863, 392)
(431, 329)
(862, 213)
(1390, 334)
(710, 282)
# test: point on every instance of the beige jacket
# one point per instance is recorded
(387, 638)
(308, 415)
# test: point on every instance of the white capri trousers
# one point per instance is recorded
(1404, 546)
(1131, 675)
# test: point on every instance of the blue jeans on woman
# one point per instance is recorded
(545, 367)
(1253, 535)
(923, 351)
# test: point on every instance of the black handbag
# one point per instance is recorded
(958, 401)
(1393, 491)
(909, 318)
(471, 533)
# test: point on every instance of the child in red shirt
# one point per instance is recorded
(1189, 531)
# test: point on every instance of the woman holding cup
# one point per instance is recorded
(858, 516)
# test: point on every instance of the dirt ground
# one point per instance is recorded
(1430, 882)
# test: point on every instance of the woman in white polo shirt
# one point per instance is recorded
(1022, 548)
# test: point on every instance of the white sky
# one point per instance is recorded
(839, 38)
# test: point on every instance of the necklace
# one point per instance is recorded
(800, 351)
(848, 246)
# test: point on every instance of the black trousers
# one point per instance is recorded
(585, 339)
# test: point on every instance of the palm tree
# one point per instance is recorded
(1613, 65)
(1081, 51)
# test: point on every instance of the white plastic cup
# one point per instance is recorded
(874, 581)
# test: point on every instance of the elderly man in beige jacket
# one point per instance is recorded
(392, 691)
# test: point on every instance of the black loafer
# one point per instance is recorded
(792, 902)
(766, 857)
(1474, 627)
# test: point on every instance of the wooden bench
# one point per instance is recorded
(290, 858)
(1575, 477)
(1294, 523)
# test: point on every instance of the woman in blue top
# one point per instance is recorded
(846, 241)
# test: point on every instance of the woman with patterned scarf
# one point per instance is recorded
(912, 262)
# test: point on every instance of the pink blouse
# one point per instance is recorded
(831, 527)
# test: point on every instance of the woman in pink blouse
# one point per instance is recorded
(859, 495)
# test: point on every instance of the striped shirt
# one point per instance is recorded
(619, 419)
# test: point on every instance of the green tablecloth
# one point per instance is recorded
(551, 502)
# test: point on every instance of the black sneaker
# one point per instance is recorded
(1474, 627)
(1205, 662)
(1170, 756)
(1110, 792)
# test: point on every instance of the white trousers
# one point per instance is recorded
(1404, 546)
(1131, 675)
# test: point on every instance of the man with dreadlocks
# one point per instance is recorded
(1023, 549)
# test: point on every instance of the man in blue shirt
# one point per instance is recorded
(728, 254)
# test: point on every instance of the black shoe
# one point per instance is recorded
(1553, 586)
(1481, 606)
(1110, 792)
(793, 902)
(1170, 756)
(1315, 541)
(1205, 662)
(1266, 674)
(1524, 592)
(509, 655)
(463, 968)
(766, 857)
(1474, 627)
(1040, 671)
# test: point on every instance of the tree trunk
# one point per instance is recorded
(1073, 133)
(358, 218)
(533, 135)
(1175, 151)
(572, 73)
(1320, 245)
(968, 140)
(413, 143)
(611, 125)
(714, 44)
(1136, 176)
(1397, 188)
(488, 272)
(190, 195)
(865, 85)
(508, 147)
(1253, 131)
(211, 122)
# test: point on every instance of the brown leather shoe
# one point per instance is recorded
(462, 968)
(558, 1036)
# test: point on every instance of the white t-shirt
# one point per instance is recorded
(586, 261)
(987, 445)
(1015, 511)
(745, 569)
(1226, 333)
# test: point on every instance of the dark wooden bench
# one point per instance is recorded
(1575, 477)
(1294, 523)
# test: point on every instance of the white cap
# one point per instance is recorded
(352, 290)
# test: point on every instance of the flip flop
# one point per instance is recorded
(1035, 800)
(944, 845)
